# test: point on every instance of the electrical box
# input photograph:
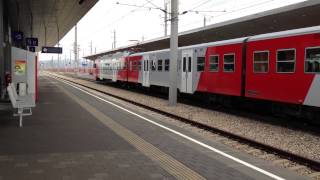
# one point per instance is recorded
(24, 70)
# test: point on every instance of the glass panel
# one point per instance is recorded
(153, 65)
(286, 55)
(147, 65)
(214, 63)
(184, 64)
(228, 67)
(228, 63)
(261, 57)
(189, 64)
(286, 61)
(312, 61)
(261, 67)
(229, 58)
(285, 67)
(201, 61)
(214, 67)
(139, 65)
(261, 62)
(214, 59)
(160, 65)
(166, 65)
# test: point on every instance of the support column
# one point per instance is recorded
(173, 53)
(2, 60)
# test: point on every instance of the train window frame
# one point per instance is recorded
(294, 60)
(212, 70)
(166, 65)
(268, 61)
(160, 65)
(305, 59)
(203, 65)
(234, 62)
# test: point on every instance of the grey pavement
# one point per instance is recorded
(63, 141)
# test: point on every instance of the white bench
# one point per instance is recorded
(21, 103)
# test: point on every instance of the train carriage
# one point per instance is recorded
(284, 67)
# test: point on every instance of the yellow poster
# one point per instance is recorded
(20, 68)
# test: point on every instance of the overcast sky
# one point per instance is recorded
(134, 24)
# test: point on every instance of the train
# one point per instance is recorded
(281, 69)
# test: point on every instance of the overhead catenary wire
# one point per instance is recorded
(229, 12)
(113, 22)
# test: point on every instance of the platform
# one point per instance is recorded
(73, 135)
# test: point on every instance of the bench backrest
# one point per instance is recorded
(11, 96)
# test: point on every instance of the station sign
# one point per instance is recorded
(31, 41)
(17, 36)
(55, 50)
(32, 49)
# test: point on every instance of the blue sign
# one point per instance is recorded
(32, 49)
(32, 41)
(56, 50)
(17, 36)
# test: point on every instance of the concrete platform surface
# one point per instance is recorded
(73, 135)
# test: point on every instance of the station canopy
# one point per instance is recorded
(44, 18)
(300, 15)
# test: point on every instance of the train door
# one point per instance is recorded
(146, 71)
(186, 71)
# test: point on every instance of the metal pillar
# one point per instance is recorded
(173, 53)
(76, 48)
(114, 39)
(2, 60)
(165, 18)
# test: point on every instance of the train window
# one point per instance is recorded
(214, 63)
(139, 65)
(312, 60)
(184, 64)
(286, 60)
(166, 64)
(160, 65)
(153, 67)
(228, 63)
(261, 61)
(130, 66)
(189, 64)
(201, 63)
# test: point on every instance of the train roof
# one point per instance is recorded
(218, 43)
(295, 32)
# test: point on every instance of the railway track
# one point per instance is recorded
(233, 139)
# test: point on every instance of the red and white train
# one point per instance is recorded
(282, 67)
